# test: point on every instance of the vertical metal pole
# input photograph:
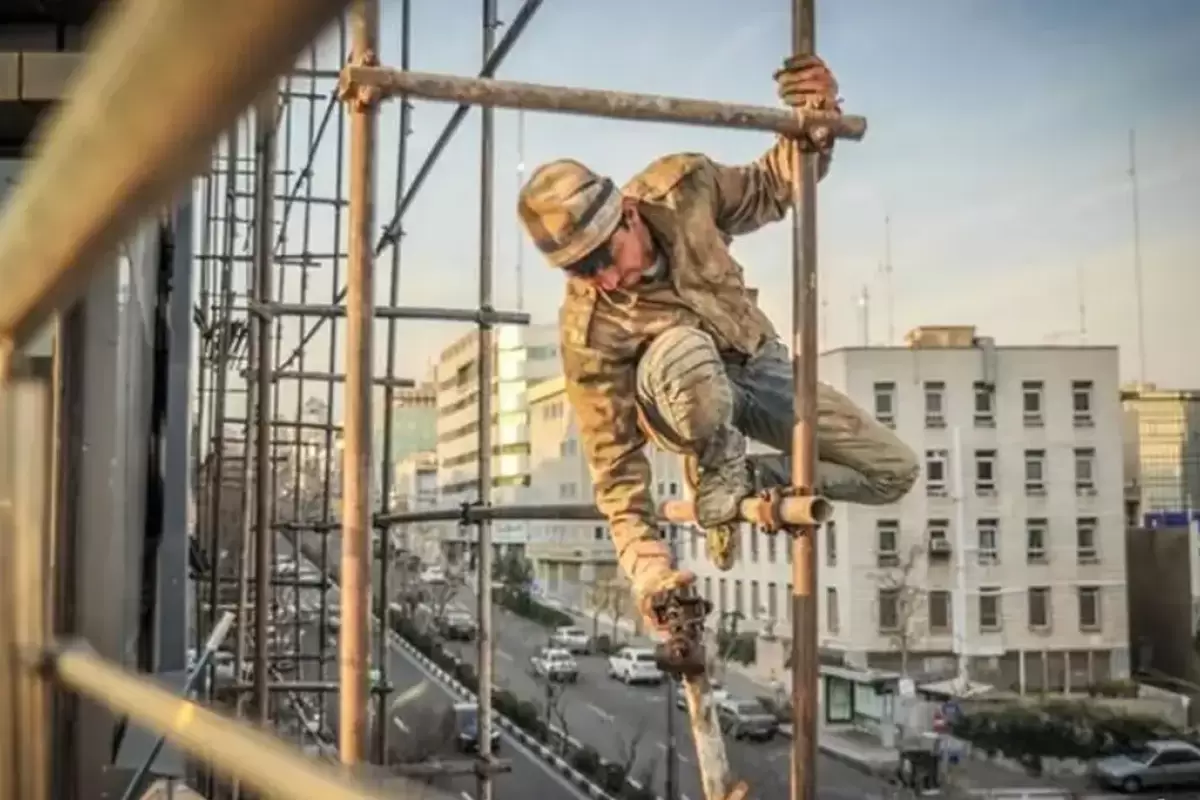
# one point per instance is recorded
(804, 366)
(486, 371)
(387, 467)
(1137, 256)
(264, 230)
(356, 410)
(672, 776)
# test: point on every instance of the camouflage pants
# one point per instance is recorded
(693, 401)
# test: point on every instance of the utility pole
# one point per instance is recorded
(520, 265)
(864, 304)
(959, 605)
(1137, 256)
(886, 269)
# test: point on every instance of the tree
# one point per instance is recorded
(900, 599)
(554, 712)
(513, 573)
(627, 750)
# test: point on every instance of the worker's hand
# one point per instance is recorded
(804, 82)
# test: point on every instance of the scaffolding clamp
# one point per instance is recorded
(788, 509)
(360, 97)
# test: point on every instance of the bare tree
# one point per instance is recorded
(628, 746)
(554, 712)
(900, 599)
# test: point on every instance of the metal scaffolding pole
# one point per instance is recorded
(486, 372)
(356, 475)
(804, 445)
(386, 465)
(265, 129)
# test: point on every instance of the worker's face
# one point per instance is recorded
(631, 254)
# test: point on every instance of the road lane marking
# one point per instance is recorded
(400, 724)
(600, 712)
(504, 655)
(679, 755)
(466, 796)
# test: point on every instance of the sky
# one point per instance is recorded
(998, 147)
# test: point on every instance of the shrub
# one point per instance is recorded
(1115, 688)
(520, 602)
(739, 647)
(586, 760)
(612, 778)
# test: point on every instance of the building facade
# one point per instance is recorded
(1162, 456)
(522, 357)
(1007, 558)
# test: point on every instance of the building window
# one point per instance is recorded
(831, 550)
(833, 621)
(1081, 403)
(935, 472)
(887, 542)
(985, 472)
(1035, 472)
(989, 609)
(567, 491)
(673, 489)
(722, 601)
(885, 403)
(1089, 608)
(1035, 541)
(598, 534)
(1039, 607)
(939, 611)
(889, 610)
(1085, 540)
(756, 608)
(753, 534)
(772, 602)
(708, 595)
(788, 604)
(1085, 465)
(938, 532)
(1031, 403)
(988, 533)
(695, 544)
(770, 548)
(985, 405)
(935, 399)
(738, 607)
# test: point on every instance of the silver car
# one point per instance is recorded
(1163, 764)
(746, 719)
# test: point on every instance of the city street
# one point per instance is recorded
(412, 725)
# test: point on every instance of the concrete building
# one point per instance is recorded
(1162, 456)
(1009, 551)
(568, 556)
(523, 356)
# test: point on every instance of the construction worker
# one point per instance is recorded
(661, 340)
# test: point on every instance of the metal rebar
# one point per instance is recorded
(265, 128)
(804, 446)
(257, 758)
(491, 93)
(356, 475)
(89, 184)
(495, 58)
(487, 170)
(400, 312)
(386, 465)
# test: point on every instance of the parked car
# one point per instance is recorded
(1162, 764)
(554, 664)
(466, 727)
(719, 694)
(634, 665)
(746, 719)
(572, 639)
(433, 575)
(458, 626)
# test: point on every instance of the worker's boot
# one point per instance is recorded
(720, 479)
(676, 611)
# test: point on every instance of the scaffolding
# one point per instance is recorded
(253, 469)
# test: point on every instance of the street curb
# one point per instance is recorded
(508, 726)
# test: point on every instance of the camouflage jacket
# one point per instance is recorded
(694, 207)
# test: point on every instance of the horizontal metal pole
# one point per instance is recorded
(287, 423)
(333, 377)
(258, 759)
(310, 687)
(474, 513)
(430, 769)
(599, 103)
(390, 312)
(308, 527)
(760, 511)
(109, 157)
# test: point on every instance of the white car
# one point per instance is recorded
(572, 639)
(433, 575)
(554, 664)
(634, 665)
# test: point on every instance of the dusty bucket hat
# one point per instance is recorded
(568, 210)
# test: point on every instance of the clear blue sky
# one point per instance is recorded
(998, 145)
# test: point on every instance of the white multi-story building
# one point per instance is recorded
(414, 488)
(1009, 551)
(522, 357)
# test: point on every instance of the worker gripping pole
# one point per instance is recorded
(804, 450)
(356, 475)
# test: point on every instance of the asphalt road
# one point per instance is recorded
(413, 721)
(628, 724)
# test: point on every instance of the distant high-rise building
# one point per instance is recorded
(1162, 455)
